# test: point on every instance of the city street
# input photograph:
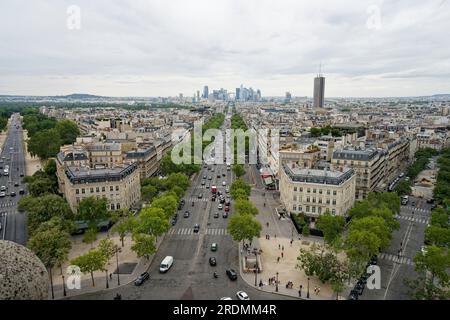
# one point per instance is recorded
(396, 268)
(191, 276)
(12, 155)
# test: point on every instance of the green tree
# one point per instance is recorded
(237, 194)
(306, 231)
(42, 209)
(403, 187)
(244, 206)
(439, 218)
(149, 192)
(244, 227)
(44, 144)
(144, 245)
(90, 236)
(374, 225)
(238, 170)
(123, 227)
(437, 235)
(67, 130)
(178, 179)
(108, 248)
(91, 261)
(93, 210)
(50, 168)
(168, 203)
(361, 245)
(152, 221)
(331, 226)
(52, 246)
(240, 184)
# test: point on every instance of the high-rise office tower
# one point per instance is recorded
(205, 92)
(198, 95)
(319, 91)
(238, 94)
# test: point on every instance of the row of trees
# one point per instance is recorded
(433, 263)
(238, 123)
(349, 246)
(335, 132)
(46, 135)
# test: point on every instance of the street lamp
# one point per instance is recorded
(307, 293)
(64, 285)
(276, 284)
(117, 262)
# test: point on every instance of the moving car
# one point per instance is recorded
(203, 182)
(200, 195)
(141, 279)
(12, 194)
(231, 274)
(16, 184)
(212, 261)
(21, 191)
(213, 246)
(196, 228)
(166, 264)
(227, 208)
(220, 207)
(216, 215)
(242, 295)
(226, 298)
(186, 214)
(2, 194)
(209, 178)
(225, 215)
(224, 183)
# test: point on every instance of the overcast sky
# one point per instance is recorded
(165, 47)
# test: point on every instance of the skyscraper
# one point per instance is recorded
(238, 94)
(205, 92)
(319, 91)
(198, 95)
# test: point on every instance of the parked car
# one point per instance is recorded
(242, 295)
(231, 274)
(227, 208)
(141, 279)
(225, 215)
(21, 191)
(212, 261)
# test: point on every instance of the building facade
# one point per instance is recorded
(314, 191)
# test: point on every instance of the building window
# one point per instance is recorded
(83, 191)
(313, 209)
(294, 207)
(103, 189)
(112, 206)
(295, 198)
(307, 208)
(118, 206)
(295, 189)
(300, 208)
(333, 212)
(320, 191)
(111, 188)
(328, 192)
(320, 200)
(97, 189)
(301, 189)
(334, 192)
(314, 200)
(314, 190)
(117, 188)
(308, 190)
(328, 201)
(307, 199)
(77, 191)
(319, 210)
(334, 202)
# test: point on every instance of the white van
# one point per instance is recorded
(166, 264)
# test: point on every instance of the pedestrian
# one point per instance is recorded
(278, 259)
(110, 275)
(300, 293)
(278, 246)
(264, 204)
(292, 240)
(282, 254)
(315, 290)
(275, 236)
(318, 290)
(282, 248)
(267, 224)
(260, 283)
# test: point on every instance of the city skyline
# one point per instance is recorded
(385, 48)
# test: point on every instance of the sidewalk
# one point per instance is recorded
(281, 232)
(126, 256)
(32, 164)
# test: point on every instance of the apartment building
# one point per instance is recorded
(103, 154)
(368, 164)
(120, 184)
(315, 191)
(397, 157)
(146, 159)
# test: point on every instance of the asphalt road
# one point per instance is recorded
(12, 154)
(395, 267)
(191, 276)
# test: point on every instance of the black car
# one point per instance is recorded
(231, 274)
(173, 221)
(196, 228)
(21, 191)
(16, 184)
(213, 198)
(353, 295)
(141, 279)
(218, 176)
(203, 182)
(225, 215)
(200, 195)
(204, 177)
(12, 194)
(212, 261)
(21, 174)
(186, 214)
(359, 288)
(216, 215)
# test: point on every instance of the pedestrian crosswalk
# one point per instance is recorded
(190, 231)
(415, 209)
(196, 199)
(394, 258)
(413, 219)
(216, 231)
(6, 204)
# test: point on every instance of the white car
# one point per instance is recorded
(242, 295)
(2, 194)
(220, 207)
(226, 298)
(224, 183)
